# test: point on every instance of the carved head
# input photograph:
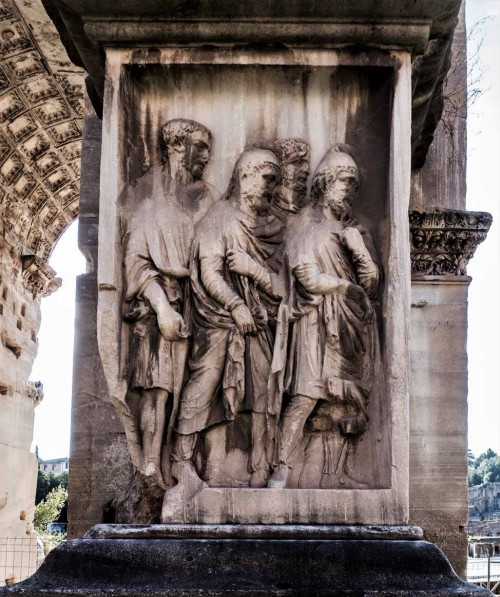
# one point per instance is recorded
(294, 157)
(336, 180)
(257, 173)
(186, 145)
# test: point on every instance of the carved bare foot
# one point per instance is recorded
(279, 478)
(259, 479)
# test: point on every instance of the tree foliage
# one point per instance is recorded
(484, 469)
(48, 510)
(489, 469)
(46, 483)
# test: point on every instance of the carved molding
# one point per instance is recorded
(38, 277)
(426, 28)
(442, 242)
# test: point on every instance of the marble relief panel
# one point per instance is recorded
(253, 242)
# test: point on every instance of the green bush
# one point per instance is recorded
(48, 510)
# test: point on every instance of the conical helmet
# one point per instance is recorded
(338, 159)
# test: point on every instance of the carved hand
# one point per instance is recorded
(171, 324)
(244, 320)
(240, 263)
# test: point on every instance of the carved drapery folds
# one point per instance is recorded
(241, 339)
(442, 242)
(254, 310)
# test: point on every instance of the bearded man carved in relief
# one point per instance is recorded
(329, 355)
(232, 338)
(157, 233)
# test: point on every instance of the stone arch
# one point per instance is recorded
(41, 111)
(41, 116)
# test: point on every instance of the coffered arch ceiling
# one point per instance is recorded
(41, 118)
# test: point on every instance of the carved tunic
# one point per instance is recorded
(156, 242)
(331, 348)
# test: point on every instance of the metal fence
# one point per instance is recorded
(485, 572)
(18, 559)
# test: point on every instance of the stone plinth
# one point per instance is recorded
(225, 560)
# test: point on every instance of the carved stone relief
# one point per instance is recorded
(444, 241)
(255, 310)
(235, 372)
(161, 209)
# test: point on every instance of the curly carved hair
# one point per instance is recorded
(178, 130)
(326, 174)
(290, 150)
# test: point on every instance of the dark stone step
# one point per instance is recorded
(143, 567)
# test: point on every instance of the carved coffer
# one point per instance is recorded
(248, 98)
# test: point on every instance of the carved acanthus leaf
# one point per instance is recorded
(442, 242)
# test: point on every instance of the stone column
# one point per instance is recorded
(443, 241)
(99, 458)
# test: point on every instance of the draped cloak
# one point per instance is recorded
(326, 343)
(222, 359)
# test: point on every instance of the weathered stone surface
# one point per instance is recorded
(375, 486)
(93, 567)
(100, 466)
(255, 531)
(100, 29)
(443, 241)
(41, 106)
(19, 324)
(438, 413)
(390, 24)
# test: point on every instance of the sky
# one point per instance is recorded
(483, 194)
(54, 363)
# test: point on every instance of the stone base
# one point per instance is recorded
(245, 564)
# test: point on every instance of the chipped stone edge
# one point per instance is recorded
(256, 531)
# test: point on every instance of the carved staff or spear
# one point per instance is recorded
(179, 357)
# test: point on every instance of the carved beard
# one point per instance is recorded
(193, 166)
(341, 207)
(197, 170)
(299, 194)
(257, 203)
